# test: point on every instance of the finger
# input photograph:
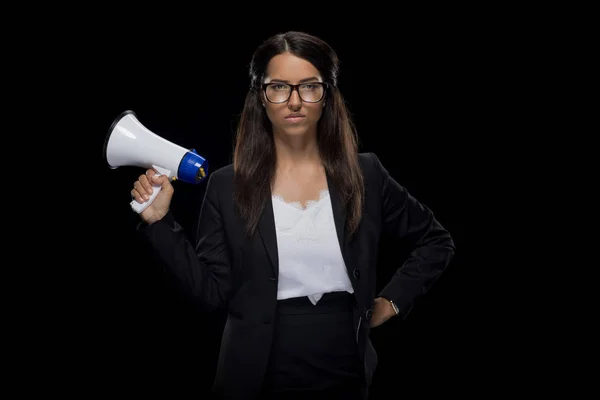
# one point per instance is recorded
(150, 173)
(145, 182)
(161, 180)
(136, 196)
(140, 191)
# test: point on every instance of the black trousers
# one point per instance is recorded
(315, 353)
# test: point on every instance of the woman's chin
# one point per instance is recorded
(294, 132)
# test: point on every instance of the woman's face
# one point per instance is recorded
(296, 113)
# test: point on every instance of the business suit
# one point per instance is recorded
(228, 269)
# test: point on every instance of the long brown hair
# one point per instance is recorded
(254, 157)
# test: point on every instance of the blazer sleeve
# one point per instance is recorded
(201, 270)
(432, 247)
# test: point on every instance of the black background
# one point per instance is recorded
(417, 99)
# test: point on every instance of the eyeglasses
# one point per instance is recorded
(311, 92)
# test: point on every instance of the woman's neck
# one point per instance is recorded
(294, 152)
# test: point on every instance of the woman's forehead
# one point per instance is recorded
(291, 69)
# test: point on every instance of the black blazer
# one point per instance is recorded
(227, 269)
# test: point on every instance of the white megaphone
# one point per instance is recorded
(129, 143)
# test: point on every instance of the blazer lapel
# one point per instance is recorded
(339, 215)
(266, 228)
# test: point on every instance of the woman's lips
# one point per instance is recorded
(294, 119)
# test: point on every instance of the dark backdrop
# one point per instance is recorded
(413, 97)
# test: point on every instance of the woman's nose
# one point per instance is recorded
(294, 102)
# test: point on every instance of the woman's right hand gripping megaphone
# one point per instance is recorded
(143, 188)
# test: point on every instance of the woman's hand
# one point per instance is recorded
(382, 311)
(142, 189)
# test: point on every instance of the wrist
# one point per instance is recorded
(395, 310)
(155, 218)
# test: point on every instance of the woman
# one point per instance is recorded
(288, 236)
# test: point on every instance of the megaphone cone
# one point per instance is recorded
(129, 143)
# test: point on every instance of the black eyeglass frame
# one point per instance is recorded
(264, 87)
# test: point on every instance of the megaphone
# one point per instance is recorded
(129, 143)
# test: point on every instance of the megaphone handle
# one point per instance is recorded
(137, 207)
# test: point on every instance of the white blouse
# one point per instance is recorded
(310, 259)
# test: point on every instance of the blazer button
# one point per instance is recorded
(356, 274)
(369, 314)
